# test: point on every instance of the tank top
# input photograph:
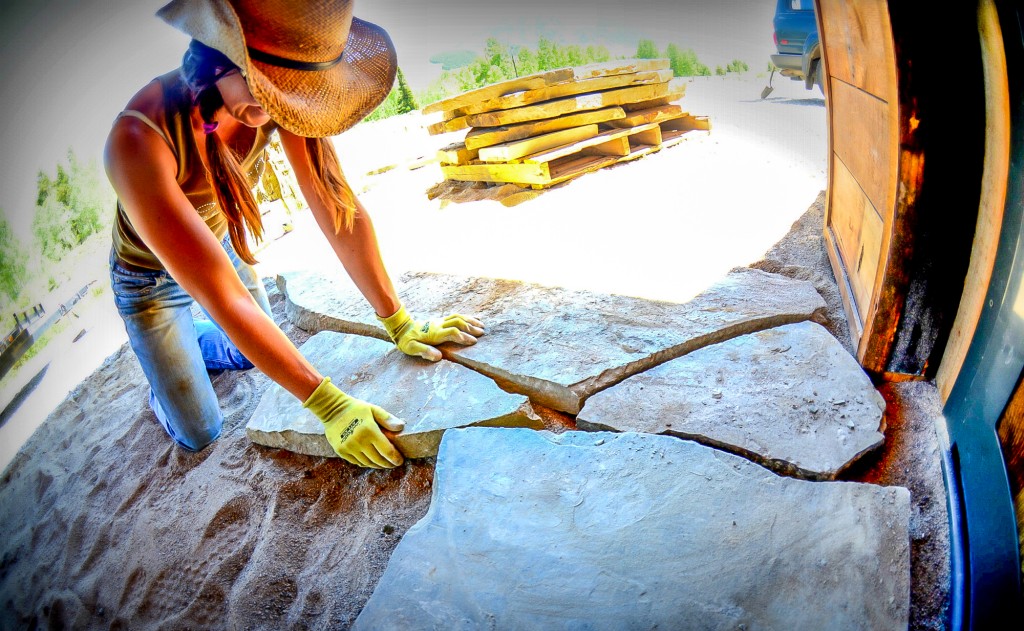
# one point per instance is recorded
(176, 130)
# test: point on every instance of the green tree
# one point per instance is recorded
(719, 71)
(12, 263)
(684, 62)
(501, 61)
(737, 65)
(527, 61)
(406, 101)
(70, 207)
(646, 49)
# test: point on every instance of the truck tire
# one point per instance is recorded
(818, 78)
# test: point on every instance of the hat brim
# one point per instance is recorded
(327, 102)
(313, 104)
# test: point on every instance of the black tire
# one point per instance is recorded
(818, 78)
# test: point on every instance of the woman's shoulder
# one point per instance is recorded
(132, 132)
(152, 99)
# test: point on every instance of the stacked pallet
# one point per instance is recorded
(546, 128)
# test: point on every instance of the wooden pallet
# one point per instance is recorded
(545, 79)
(561, 90)
(547, 128)
(509, 151)
(553, 166)
(649, 115)
(487, 136)
(583, 102)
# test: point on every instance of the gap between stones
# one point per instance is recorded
(609, 378)
(559, 406)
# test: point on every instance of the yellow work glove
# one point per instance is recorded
(351, 427)
(419, 338)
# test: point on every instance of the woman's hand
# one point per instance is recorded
(351, 426)
(413, 337)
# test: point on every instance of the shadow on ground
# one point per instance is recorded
(19, 398)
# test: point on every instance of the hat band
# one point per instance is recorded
(293, 64)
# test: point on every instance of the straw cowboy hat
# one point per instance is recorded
(314, 68)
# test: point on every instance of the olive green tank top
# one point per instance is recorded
(176, 130)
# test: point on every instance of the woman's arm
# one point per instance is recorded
(357, 250)
(359, 254)
(142, 170)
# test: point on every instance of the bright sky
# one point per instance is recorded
(68, 66)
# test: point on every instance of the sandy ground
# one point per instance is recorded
(107, 525)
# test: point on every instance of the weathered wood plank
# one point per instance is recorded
(676, 91)
(867, 144)
(552, 167)
(551, 109)
(575, 166)
(444, 127)
(562, 90)
(603, 137)
(995, 176)
(1011, 435)
(671, 138)
(649, 115)
(858, 231)
(863, 53)
(456, 154)
(853, 316)
(488, 136)
(517, 173)
(650, 137)
(547, 78)
(519, 148)
(688, 123)
(617, 147)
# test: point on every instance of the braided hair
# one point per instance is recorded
(201, 68)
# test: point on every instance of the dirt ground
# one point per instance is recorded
(107, 525)
(117, 528)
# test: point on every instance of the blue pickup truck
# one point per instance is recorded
(796, 40)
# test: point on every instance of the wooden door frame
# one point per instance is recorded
(925, 246)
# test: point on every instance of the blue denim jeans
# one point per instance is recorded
(176, 351)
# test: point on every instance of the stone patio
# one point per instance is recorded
(559, 346)
(430, 397)
(634, 531)
(691, 509)
(790, 398)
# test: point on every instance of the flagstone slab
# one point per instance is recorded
(637, 531)
(429, 397)
(790, 398)
(555, 345)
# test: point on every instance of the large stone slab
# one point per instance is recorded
(637, 531)
(430, 397)
(555, 345)
(791, 398)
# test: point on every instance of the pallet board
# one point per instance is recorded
(649, 115)
(544, 129)
(547, 78)
(676, 91)
(583, 102)
(487, 136)
(509, 151)
(444, 127)
(457, 153)
(562, 90)
(553, 166)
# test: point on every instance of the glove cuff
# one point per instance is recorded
(324, 400)
(394, 324)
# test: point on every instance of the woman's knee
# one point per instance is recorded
(199, 439)
(192, 426)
